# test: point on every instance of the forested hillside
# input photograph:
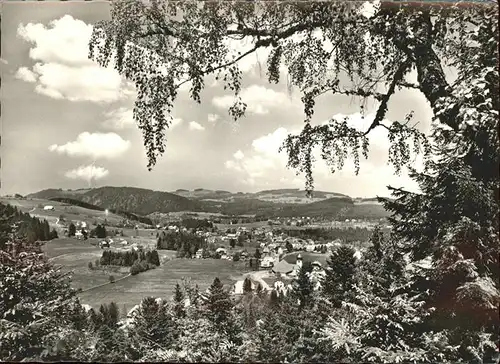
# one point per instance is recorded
(275, 203)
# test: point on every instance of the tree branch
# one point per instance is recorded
(382, 109)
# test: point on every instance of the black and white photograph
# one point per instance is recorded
(273, 181)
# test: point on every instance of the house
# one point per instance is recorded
(283, 267)
(48, 207)
(81, 224)
(267, 262)
(103, 244)
(256, 282)
(310, 248)
(292, 262)
(78, 234)
(238, 286)
(199, 254)
(221, 251)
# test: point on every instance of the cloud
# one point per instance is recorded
(230, 164)
(193, 125)
(119, 118)
(269, 144)
(25, 74)
(264, 167)
(94, 145)
(378, 137)
(63, 70)
(175, 122)
(239, 155)
(212, 118)
(259, 100)
(263, 160)
(87, 173)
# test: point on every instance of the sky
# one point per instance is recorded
(66, 119)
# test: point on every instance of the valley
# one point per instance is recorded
(104, 284)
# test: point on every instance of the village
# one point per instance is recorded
(272, 254)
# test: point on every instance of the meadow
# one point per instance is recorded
(74, 255)
(160, 282)
(69, 212)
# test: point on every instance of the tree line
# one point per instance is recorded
(185, 243)
(347, 235)
(31, 228)
(137, 260)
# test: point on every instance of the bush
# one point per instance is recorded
(236, 257)
(97, 262)
(111, 279)
(144, 265)
(71, 230)
(135, 268)
(99, 231)
(53, 234)
(206, 254)
(90, 265)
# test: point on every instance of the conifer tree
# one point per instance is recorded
(179, 302)
(79, 318)
(153, 324)
(247, 285)
(219, 305)
(155, 258)
(453, 222)
(274, 300)
(53, 234)
(303, 287)
(111, 346)
(35, 301)
(113, 315)
(271, 341)
(339, 275)
(71, 230)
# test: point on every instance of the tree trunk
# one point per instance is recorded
(430, 74)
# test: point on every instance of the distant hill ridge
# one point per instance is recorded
(270, 203)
